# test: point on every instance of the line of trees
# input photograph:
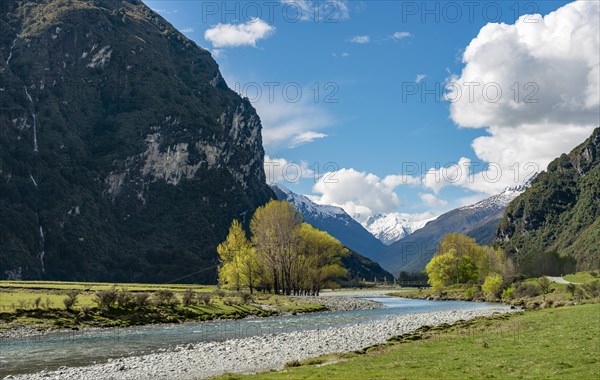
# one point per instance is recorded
(460, 260)
(284, 255)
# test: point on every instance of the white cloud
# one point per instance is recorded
(420, 77)
(306, 137)
(400, 35)
(555, 63)
(343, 55)
(361, 39)
(280, 170)
(432, 201)
(187, 30)
(360, 194)
(217, 53)
(232, 35)
(291, 124)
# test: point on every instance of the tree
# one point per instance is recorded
(230, 252)
(441, 270)
(275, 238)
(492, 285)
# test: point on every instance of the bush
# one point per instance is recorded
(492, 285)
(592, 288)
(124, 299)
(470, 292)
(71, 300)
(106, 298)
(36, 302)
(508, 294)
(527, 290)
(205, 298)
(141, 300)
(245, 297)
(165, 298)
(220, 293)
(188, 297)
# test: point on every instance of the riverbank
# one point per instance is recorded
(260, 353)
(536, 344)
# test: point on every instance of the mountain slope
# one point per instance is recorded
(559, 212)
(479, 220)
(124, 156)
(335, 221)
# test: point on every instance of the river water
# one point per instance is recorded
(18, 356)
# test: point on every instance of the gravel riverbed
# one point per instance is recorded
(258, 353)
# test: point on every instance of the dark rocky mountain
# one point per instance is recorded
(336, 222)
(124, 156)
(479, 221)
(558, 217)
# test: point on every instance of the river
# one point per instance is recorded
(49, 352)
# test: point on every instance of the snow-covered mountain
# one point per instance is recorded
(389, 228)
(335, 221)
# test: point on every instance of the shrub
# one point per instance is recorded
(188, 298)
(571, 288)
(23, 304)
(544, 284)
(71, 300)
(220, 293)
(36, 302)
(205, 298)
(527, 290)
(124, 299)
(245, 297)
(469, 292)
(508, 293)
(106, 298)
(165, 298)
(592, 288)
(492, 284)
(141, 300)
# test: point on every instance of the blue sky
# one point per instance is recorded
(365, 59)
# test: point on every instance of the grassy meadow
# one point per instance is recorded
(41, 304)
(554, 343)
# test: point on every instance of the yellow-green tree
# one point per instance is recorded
(275, 237)
(319, 260)
(492, 285)
(440, 270)
(238, 259)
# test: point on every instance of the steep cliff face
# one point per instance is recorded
(559, 215)
(124, 156)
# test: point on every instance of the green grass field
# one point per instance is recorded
(560, 343)
(18, 305)
(580, 277)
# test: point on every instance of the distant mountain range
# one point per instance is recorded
(558, 217)
(389, 228)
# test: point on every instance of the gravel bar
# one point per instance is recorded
(259, 353)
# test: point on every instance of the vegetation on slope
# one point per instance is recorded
(554, 226)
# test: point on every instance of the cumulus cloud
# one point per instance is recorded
(432, 201)
(360, 194)
(542, 96)
(245, 34)
(361, 39)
